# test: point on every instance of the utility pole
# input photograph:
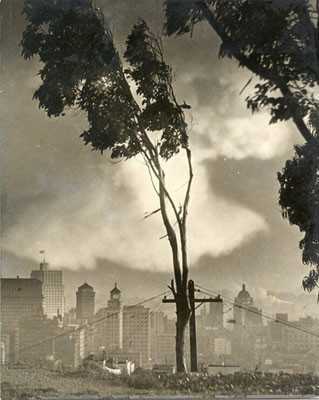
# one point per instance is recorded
(192, 320)
(192, 326)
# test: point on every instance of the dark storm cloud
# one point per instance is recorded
(230, 178)
(271, 259)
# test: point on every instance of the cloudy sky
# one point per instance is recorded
(87, 213)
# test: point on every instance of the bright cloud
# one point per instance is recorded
(92, 222)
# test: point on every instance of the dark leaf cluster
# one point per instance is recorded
(153, 78)
(299, 200)
(181, 16)
(82, 69)
(275, 39)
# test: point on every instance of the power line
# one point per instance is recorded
(266, 315)
(81, 327)
(141, 325)
(263, 314)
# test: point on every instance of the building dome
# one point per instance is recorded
(115, 290)
(244, 296)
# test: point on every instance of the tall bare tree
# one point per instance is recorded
(82, 69)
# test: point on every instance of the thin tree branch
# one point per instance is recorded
(190, 180)
(184, 217)
(149, 214)
(151, 178)
(172, 287)
(171, 235)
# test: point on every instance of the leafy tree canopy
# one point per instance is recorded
(83, 69)
(275, 39)
(299, 199)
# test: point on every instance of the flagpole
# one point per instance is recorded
(43, 252)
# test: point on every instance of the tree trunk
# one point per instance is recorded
(182, 317)
(183, 310)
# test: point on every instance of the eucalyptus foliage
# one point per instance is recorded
(299, 199)
(83, 69)
(275, 39)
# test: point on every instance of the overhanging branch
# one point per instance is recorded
(257, 69)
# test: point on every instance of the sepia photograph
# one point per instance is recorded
(159, 199)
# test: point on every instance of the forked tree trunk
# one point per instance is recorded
(183, 310)
(182, 318)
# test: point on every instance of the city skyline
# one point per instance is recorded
(143, 335)
(271, 302)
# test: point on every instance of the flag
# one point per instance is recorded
(42, 251)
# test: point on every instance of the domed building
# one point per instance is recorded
(245, 313)
(244, 297)
(249, 340)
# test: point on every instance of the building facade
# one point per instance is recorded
(163, 348)
(52, 290)
(109, 323)
(162, 339)
(137, 332)
(85, 302)
(215, 315)
(21, 298)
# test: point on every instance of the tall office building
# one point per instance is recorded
(124, 328)
(278, 333)
(215, 315)
(162, 339)
(158, 321)
(109, 325)
(85, 302)
(52, 290)
(21, 299)
(137, 331)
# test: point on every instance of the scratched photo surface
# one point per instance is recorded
(159, 198)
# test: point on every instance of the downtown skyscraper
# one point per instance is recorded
(52, 290)
(85, 302)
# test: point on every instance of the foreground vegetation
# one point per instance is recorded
(24, 383)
